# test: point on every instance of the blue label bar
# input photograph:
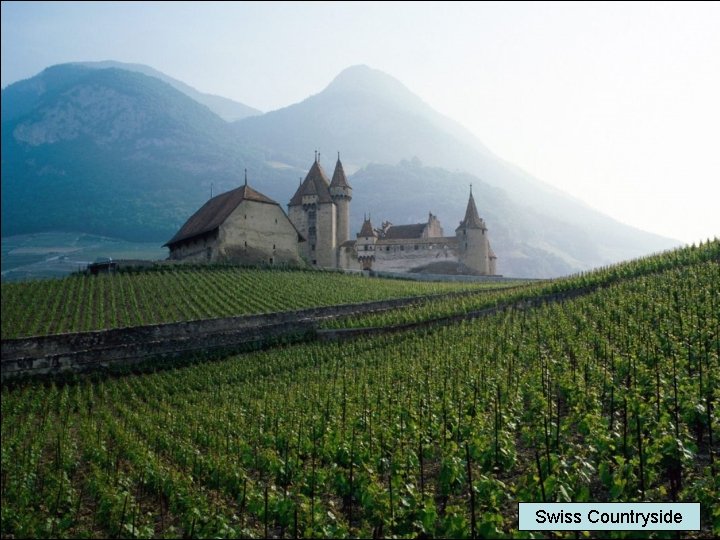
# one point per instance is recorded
(609, 516)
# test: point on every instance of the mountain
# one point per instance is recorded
(227, 109)
(373, 118)
(120, 153)
(110, 152)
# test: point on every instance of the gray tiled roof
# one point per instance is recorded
(316, 183)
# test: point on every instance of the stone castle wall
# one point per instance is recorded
(404, 255)
(325, 249)
(196, 250)
(258, 232)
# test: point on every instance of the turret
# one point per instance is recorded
(365, 244)
(473, 244)
(341, 194)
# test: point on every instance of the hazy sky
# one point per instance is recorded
(617, 104)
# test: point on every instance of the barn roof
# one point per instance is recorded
(214, 212)
(316, 183)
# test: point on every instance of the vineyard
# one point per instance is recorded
(438, 308)
(83, 303)
(608, 396)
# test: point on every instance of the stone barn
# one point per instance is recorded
(240, 226)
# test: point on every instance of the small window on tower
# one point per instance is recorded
(312, 247)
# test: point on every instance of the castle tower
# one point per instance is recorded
(473, 243)
(313, 213)
(341, 194)
(365, 244)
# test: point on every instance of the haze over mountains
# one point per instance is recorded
(131, 153)
(225, 108)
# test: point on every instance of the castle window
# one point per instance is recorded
(387, 248)
(245, 216)
(416, 246)
(314, 261)
(402, 248)
(366, 248)
(275, 220)
(312, 215)
(271, 260)
(245, 243)
(273, 246)
(312, 247)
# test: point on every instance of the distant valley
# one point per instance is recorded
(53, 255)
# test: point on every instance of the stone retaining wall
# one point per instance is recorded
(45, 355)
(85, 350)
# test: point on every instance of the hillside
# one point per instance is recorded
(227, 109)
(609, 395)
(108, 151)
(119, 153)
(81, 303)
(515, 231)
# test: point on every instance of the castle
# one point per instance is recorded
(242, 224)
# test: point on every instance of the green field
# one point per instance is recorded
(81, 303)
(608, 396)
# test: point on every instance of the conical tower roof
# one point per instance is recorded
(316, 183)
(367, 229)
(339, 179)
(472, 218)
